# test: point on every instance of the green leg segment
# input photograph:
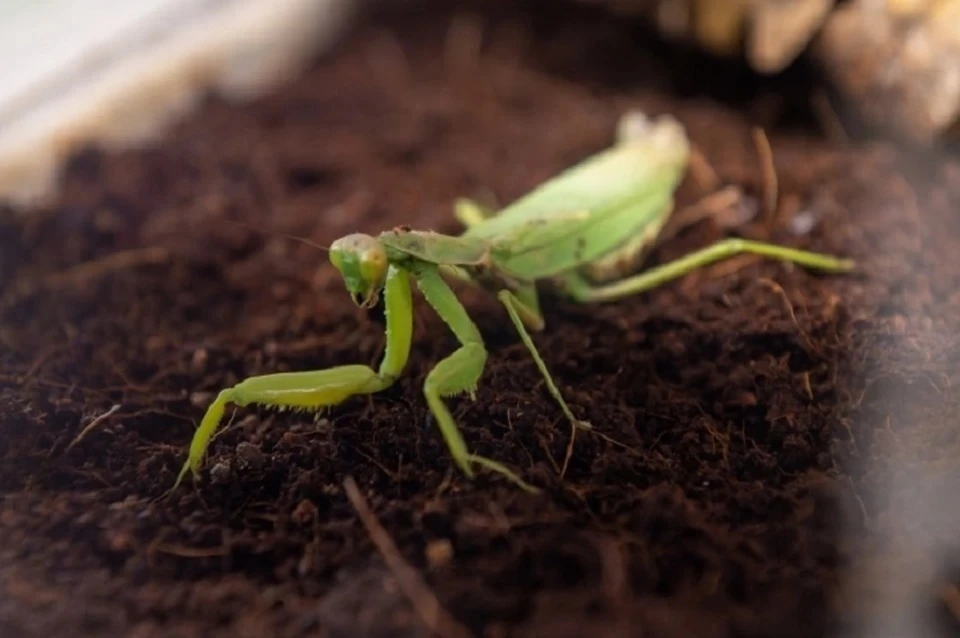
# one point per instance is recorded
(522, 316)
(470, 213)
(584, 292)
(314, 390)
(457, 374)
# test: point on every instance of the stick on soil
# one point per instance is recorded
(424, 601)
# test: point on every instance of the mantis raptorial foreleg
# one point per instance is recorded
(458, 373)
(317, 389)
(523, 315)
(584, 291)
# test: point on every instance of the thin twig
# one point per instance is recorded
(829, 119)
(90, 426)
(191, 552)
(424, 601)
(707, 207)
(769, 169)
(569, 452)
(702, 172)
(98, 267)
(546, 448)
(778, 289)
(86, 271)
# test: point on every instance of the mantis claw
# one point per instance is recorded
(492, 465)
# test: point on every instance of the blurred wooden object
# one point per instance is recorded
(896, 63)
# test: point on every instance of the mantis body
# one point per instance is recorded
(583, 232)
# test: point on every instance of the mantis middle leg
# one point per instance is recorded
(458, 373)
(524, 312)
(317, 389)
(585, 292)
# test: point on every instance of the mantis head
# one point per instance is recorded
(362, 261)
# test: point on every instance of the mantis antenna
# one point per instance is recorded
(275, 233)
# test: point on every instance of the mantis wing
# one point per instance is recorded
(546, 247)
(539, 232)
(655, 161)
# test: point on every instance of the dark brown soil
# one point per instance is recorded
(775, 453)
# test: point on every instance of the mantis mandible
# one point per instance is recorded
(583, 231)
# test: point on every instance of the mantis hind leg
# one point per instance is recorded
(470, 213)
(585, 292)
(314, 390)
(522, 315)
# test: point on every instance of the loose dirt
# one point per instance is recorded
(775, 450)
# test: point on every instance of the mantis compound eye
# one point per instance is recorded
(362, 260)
(373, 264)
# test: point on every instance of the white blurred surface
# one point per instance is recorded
(115, 72)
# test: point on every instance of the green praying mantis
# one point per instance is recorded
(582, 232)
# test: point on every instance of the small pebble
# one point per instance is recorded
(898, 324)
(802, 223)
(118, 541)
(221, 473)
(304, 513)
(199, 361)
(747, 399)
(439, 553)
(291, 439)
(201, 399)
(250, 456)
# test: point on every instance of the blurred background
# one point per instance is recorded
(767, 430)
(114, 73)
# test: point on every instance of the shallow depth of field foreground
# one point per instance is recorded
(774, 450)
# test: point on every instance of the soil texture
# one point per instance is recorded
(775, 450)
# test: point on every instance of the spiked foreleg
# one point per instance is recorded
(315, 390)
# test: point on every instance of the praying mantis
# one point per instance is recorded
(582, 232)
